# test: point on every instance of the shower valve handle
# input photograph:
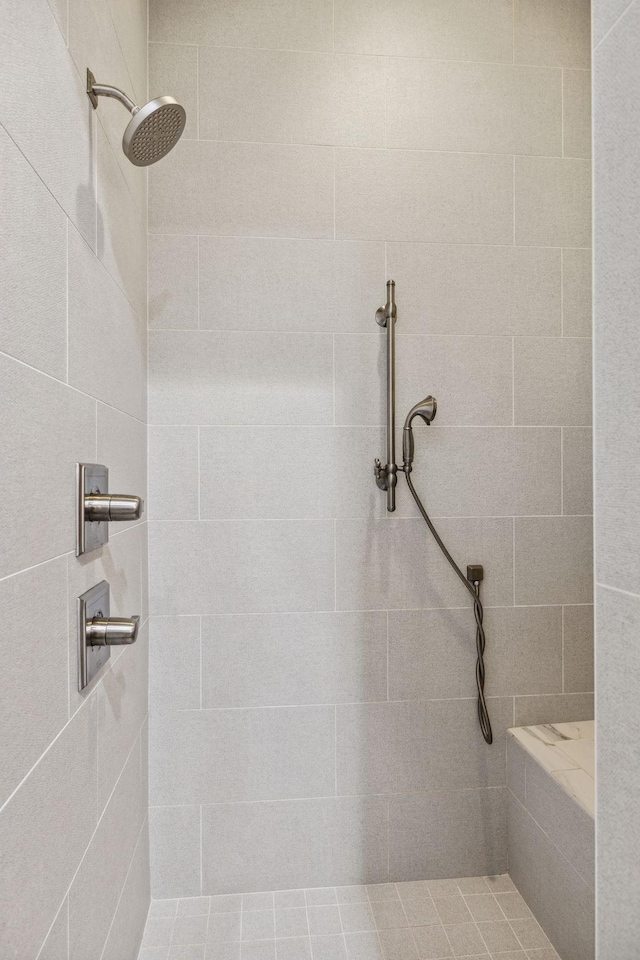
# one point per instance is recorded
(386, 476)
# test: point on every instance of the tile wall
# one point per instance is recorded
(73, 798)
(312, 659)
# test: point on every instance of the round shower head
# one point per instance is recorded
(153, 131)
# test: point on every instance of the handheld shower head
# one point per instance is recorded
(153, 130)
(426, 410)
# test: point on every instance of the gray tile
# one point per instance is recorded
(516, 767)
(157, 933)
(404, 567)
(578, 649)
(577, 319)
(56, 946)
(498, 936)
(189, 930)
(389, 914)
(289, 899)
(102, 320)
(33, 271)
(258, 925)
(291, 197)
(420, 912)
(473, 886)
(404, 747)
(320, 896)
(357, 893)
(513, 906)
(382, 891)
(453, 909)
(105, 865)
(552, 202)
(291, 97)
(272, 660)
(604, 15)
(474, 107)
(294, 948)
(173, 473)
(465, 939)
(295, 842)
(559, 709)
(229, 903)
(413, 890)
(500, 883)
(224, 927)
(222, 951)
(398, 945)
(44, 831)
(122, 708)
(194, 907)
(434, 650)
(576, 109)
(287, 27)
(55, 429)
(292, 922)
(326, 282)
(258, 950)
(174, 66)
(421, 841)
(122, 445)
(554, 34)
(34, 706)
(261, 378)
(324, 920)
(577, 470)
(293, 486)
(498, 290)
(162, 909)
(363, 946)
(173, 278)
(484, 907)
(175, 850)
(59, 141)
(187, 952)
(230, 755)
(553, 382)
(328, 948)
(456, 370)
(527, 460)
(257, 901)
(437, 30)
(560, 899)
(174, 668)
(268, 559)
(357, 917)
(553, 560)
(432, 942)
(407, 195)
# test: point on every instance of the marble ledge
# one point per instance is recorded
(567, 752)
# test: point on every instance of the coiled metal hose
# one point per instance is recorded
(474, 590)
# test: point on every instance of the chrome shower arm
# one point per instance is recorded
(386, 476)
(96, 90)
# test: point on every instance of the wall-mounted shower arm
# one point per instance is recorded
(96, 90)
(386, 476)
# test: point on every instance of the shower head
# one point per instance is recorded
(426, 410)
(153, 130)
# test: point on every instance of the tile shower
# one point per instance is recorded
(311, 774)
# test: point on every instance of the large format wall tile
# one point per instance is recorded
(122, 444)
(293, 658)
(553, 202)
(173, 282)
(56, 946)
(396, 564)
(417, 824)
(290, 97)
(552, 33)
(34, 705)
(174, 675)
(497, 290)
(44, 429)
(553, 382)
(131, 914)
(44, 832)
(431, 651)
(174, 67)
(209, 756)
(564, 708)
(471, 378)
(174, 834)
(295, 843)
(173, 473)
(296, 285)
(576, 110)
(33, 267)
(577, 626)
(419, 746)
(209, 377)
(305, 25)
(577, 317)
(577, 470)
(279, 565)
(261, 190)
(474, 107)
(437, 29)
(412, 195)
(553, 560)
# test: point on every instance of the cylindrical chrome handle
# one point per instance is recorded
(112, 631)
(112, 506)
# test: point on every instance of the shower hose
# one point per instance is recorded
(474, 590)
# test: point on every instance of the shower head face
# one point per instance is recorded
(153, 131)
(426, 410)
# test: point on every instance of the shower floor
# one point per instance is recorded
(418, 920)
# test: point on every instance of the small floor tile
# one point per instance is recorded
(472, 885)
(398, 944)
(452, 909)
(328, 948)
(382, 891)
(223, 926)
(546, 953)
(324, 920)
(194, 907)
(292, 922)
(443, 888)
(222, 951)
(188, 930)
(257, 901)
(498, 936)
(293, 948)
(258, 925)
(157, 933)
(162, 909)
(320, 896)
(413, 889)
(153, 953)
(187, 952)
(258, 950)
(389, 914)
(363, 946)
(432, 943)
(513, 906)
(465, 940)
(227, 903)
(288, 899)
(484, 906)
(421, 912)
(530, 934)
(353, 894)
(500, 884)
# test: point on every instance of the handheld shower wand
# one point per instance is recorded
(426, 410)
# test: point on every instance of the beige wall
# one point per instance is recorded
(73, 834)
(312, 675)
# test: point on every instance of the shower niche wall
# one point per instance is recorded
(312, 689)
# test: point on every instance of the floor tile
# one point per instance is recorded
(382, 891)
(363, 946)
(413, 889)
(498, 936)
(389, 914)
(452, 909)
(398, 944)
(324, 920)
(258, 925)
(500, 884)
(443, 888)
(513, 906)
(227, 903)
(293, 948)
(157, 933)
(189, 930)
(292, 923)
(194, 907)
(223, 926)
(353, 894)
(546, 953)
(222, 951)
(432, 943)
(328, 948)
(258, 950)
(472, 885)
(320, 896)
(357, 917)
(153, 953)
(421, 912)
(162, 908)
(465, 939)
(287, 899)
(484, 906)
(257, 901)
(191, 951)
(529, 933)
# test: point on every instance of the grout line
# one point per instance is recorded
(562, 513)
(201, 858)
(563, 660)
(514, 200)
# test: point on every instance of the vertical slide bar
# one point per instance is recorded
(386, 477)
